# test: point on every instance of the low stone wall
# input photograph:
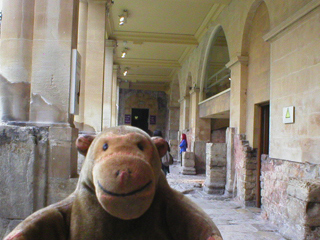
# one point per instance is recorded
(291, 197)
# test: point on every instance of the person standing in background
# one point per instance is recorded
(165, 169)
(183, 145)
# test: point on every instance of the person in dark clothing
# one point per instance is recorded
(165, 169)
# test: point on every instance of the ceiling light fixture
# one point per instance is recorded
(124, 52)
(125, 72)
(123, 18)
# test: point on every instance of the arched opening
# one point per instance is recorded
(217, 75)
(257, 97)
(215, 105)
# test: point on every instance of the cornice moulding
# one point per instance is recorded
(149, 63)
(140, 37)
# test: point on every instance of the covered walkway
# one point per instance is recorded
(234, 222)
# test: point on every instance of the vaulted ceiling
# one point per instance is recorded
(159, 35)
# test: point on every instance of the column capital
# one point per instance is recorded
(238, 59)
(116, 67)
(110, 43)
(194, 90)
(183, 98)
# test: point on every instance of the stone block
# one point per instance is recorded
(200, 156)
(23, 156)
(60, 188)
(304, 189)
(188, 163)
(63, 153)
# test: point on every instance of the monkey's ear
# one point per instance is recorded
(161, 145)
(83, 143)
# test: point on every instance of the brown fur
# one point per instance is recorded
(130, 164)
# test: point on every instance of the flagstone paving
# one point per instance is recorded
(233, 221)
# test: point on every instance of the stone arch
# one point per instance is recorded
(258, 51)
(212, 39)
(257, 81)
(247, 26)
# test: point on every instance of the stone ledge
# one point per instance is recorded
(307, 190)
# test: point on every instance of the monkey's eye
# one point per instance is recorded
(140, 146)
(105, 146)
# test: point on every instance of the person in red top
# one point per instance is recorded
(183, 145)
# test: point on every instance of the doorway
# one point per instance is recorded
(263, 147)
(140, 118)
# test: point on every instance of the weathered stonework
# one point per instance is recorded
(245, 170)
(188, 163)
(200, 156)
(23, 172)
(26, 154)
(215, 168)
(290, 197)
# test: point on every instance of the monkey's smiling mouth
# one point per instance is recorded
(124, 194)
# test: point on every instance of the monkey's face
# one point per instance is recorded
(125, 172)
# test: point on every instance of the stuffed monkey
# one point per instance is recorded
(122, 194)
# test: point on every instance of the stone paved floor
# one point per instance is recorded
(233, 221)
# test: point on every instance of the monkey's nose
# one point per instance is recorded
(123, 175)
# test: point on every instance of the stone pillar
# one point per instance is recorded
(184, 113)
(200, 131)
(82, 49)
(230, 161)
(238, 99)
(16, 59)
(54, 36)
(216, 168)
(115, 97)
(108, 84)
(173, 129)
(188, 163)
(94, 66)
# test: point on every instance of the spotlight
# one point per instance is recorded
(124, 52)
(125, 72)
(123, 18)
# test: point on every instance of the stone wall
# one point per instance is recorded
(290, 197)
(245, 170)
(156, 102)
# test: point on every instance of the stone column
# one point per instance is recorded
(82, 49)
(94, 66)
(108, 83)
(216, 168)
(16, 59)
(188, 163)
(115, 97)
(173, 129)
(238, 99)
(230, 161)
(184, 113)
(54, 36)
(200, 131)
(200, 127)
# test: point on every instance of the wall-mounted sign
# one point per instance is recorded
(288, 114)
(153, 119)
(127, 119)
